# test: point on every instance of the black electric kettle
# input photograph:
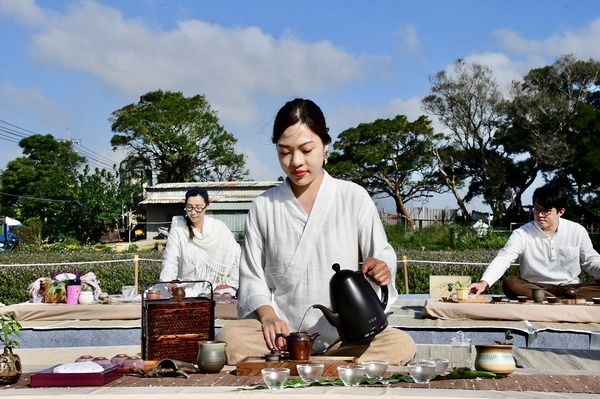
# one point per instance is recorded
(356, 311)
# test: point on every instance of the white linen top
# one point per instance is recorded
(547, 258)
(288, 255)
(211, 255)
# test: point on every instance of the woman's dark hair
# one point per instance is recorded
(303, 111)
(194, 192)
(550, 196)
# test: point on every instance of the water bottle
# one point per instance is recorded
(461, 351)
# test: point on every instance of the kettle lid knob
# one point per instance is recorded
(336, 267)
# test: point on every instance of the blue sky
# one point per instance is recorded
(66, 65)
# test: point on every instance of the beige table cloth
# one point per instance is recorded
(513, 311)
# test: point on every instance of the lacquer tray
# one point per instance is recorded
(48, 378)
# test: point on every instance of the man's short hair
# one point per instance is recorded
(550, 196)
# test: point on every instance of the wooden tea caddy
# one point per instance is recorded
(252, 365)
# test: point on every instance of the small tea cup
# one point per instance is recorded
(538, 295)
(552, 299)
(351, 375)
(497, 298)
(311, 372)
(375, 369)
(596, 301)
(422, 372)
(275, 377)
(522, 298)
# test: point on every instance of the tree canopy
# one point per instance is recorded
(180, 136)
(47, 184)
(388, 157)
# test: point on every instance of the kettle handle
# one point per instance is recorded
(384, 296)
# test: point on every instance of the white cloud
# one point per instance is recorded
(24, 11)
(230, 66)
(582, 43)
(409, 39)
(344, 117)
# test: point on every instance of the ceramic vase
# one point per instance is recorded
(497, 359)
(211, 356)
(10, 367)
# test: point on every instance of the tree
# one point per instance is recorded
(43, 182)
(98, 205)
(46, 188)
(180, 136)
(553, 121)
(390, 157)
(468, 104)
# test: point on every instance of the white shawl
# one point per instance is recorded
(211, 255)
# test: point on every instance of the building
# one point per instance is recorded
(229, 202)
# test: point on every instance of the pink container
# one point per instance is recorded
(73, 292)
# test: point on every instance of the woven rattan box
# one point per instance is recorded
(172, 329)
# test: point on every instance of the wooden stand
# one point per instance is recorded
(251, 366)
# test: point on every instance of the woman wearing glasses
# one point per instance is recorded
(200, 247)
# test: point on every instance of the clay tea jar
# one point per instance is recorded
(10, 367)
(211, 356)
(178, 294)
(299, 345)
(152, 294)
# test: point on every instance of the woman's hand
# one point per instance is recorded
(274, 329)
(377, 271)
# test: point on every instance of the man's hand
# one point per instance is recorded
(478, 288)
(377, 271)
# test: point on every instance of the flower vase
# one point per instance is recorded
(10, 367)
(497, 359)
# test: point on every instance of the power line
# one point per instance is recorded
(33, 198)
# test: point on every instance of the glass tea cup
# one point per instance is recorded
(422, 372)
(375, 369)
(441, 365)
(351, 376)
(275, 377)
(310, 372)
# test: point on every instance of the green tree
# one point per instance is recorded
(98, 205)
(467, 102)
(389, 157)
(181, 136)
(552, 121)
(42, 183)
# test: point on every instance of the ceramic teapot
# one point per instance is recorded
(299, 344)
(356, 311)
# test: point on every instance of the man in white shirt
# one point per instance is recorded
(551, 252)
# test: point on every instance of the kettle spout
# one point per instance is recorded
(332, 318)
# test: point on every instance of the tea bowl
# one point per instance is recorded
(422, 372)
(596, 301)
(311, 372)
(552, 299)
(522, 298)
(375, 369)
(275, 377)
(441, 365)
(351, 375)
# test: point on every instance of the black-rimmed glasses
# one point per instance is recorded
(197, 208)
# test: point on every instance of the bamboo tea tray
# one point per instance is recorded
(252, 365)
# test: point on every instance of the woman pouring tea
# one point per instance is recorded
(294, 233)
